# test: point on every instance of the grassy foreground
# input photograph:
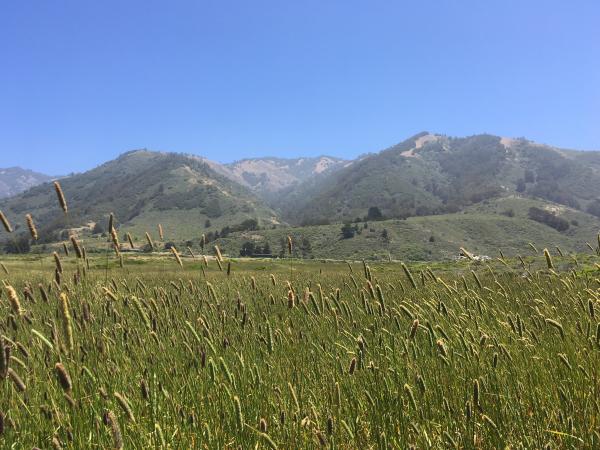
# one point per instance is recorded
(305, 355)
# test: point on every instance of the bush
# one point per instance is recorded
(374, 213)
(348, 231)
(249, 249)
(385, 235)
(98, 228)
(547, 218)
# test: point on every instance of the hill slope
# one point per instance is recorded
(473, 191)
(143, 189)
(484, 229)
(14, 180)
(432, 174)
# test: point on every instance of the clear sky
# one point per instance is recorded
(82, 81)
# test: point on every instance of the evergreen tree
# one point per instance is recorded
(305, 247)
(348, 231)
(374, 213)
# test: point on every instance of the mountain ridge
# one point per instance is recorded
(427, 174)
(142, 188)
(14, 180)
(434, 174)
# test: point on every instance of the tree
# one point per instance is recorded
(385, 235)
(374, 213)
(225, 231)
(248, 225)
(213, 209)
(18, 245)
(98, 228)
(282, 247)
(348, 231)
(305, 247)
(521, 185)
(207, 223)
(266, 251)
(248, 249)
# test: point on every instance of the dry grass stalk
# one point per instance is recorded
(61, 196)
(176, 255)
(63, 377)
(31, 226)
(111, 420)
(5, 222)
(149, 240)
(76, 247)
(66, 320)
(13, 299)
(130, 240)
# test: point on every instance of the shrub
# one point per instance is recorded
(547, 218)
(348, 231)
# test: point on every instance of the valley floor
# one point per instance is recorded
(300, 353)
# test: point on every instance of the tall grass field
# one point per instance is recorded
(179, 352)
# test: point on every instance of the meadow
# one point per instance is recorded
(166, 351)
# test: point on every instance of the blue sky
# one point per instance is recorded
(83, 81)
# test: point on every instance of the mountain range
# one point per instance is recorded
(427, 175)
(14, 180)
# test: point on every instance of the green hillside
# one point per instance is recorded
(483, 229)
(432, 174)
(143, 189)
(422, 199)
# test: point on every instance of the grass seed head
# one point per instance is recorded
(352, 367)
(16, 379)
(61, 197)
(32, 229)
(5, 222)
(63, 377)
(548, 259)
(66, 320)
(149, 240)
(13, 299)
(130, 240)
(117, 438)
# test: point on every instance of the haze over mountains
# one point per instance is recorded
(14, 180)
(425, 175)
(270, 175)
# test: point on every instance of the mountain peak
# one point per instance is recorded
(269, 175)
(14, 180)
